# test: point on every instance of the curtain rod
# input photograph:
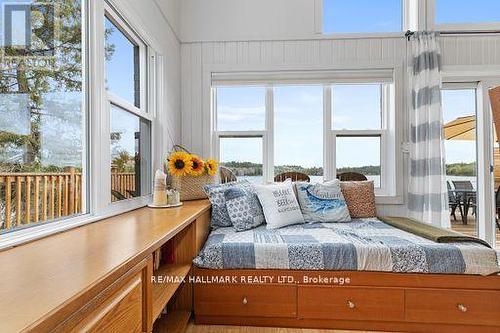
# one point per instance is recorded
(410, 33)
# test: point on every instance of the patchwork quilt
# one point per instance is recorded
(362, 244)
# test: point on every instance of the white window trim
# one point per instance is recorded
(97, 173)
(391, 172)
(456, 27)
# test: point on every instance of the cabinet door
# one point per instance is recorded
(121, 307)
(122, 312)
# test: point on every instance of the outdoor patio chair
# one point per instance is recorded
(351, 176)
(467, 198)
(226, 175)
(294, 176)
(454, 202)
(497, 205)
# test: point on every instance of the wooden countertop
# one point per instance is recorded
(38, 279)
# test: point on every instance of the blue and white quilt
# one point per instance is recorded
(362, 245)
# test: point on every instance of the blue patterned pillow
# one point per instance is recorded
(215, 193)
(322, 202)
(244, 208)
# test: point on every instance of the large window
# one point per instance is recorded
(362, 16)
(130, 122)
(42, 124)
(76, 119)
(320, 129)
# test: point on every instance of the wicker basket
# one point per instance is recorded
(190, 187)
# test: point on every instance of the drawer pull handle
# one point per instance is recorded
(244, 301)
(351, 304)
(462, 307)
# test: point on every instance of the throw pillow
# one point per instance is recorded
(279, 204)
(215, 193)
(243, 208)
(322, 202)
(360, 198)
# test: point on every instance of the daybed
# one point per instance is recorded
(364, 274)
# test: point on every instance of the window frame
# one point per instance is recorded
(97, 174)
(391, 152)
(265, 134)
(142, 111)
(455, 27)
(382, 133)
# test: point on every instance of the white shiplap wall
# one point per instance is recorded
(200, 58)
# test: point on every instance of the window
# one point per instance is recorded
(243, 156)
(241, 124)
(130, 124)
(359, 154)
(319, 128)
(43, 134)
(463, 12)
(362, 16)
(53, 119)
(298, 123)
(357, 111)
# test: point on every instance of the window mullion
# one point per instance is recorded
(328, 147)
(268, 149)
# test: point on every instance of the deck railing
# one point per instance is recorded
(27, 198)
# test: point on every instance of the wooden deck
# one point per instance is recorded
(470, 228)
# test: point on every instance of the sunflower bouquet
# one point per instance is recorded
(190, 173)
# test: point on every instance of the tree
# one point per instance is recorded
(63, 75)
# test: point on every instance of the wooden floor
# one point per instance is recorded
(192, 328)
(470, 228)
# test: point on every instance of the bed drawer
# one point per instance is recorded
(351, 303)
(478, 307)
(246, 300)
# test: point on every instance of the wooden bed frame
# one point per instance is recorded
(348, 300)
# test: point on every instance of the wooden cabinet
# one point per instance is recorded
(246, 300)
(98, 277)
(353, 303)
(453, 306)
(122, 307)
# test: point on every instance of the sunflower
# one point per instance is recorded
(197, 166)
(211, 166)
(179, 163)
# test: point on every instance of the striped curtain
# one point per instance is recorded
(427, 192)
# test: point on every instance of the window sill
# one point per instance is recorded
(22, 236)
